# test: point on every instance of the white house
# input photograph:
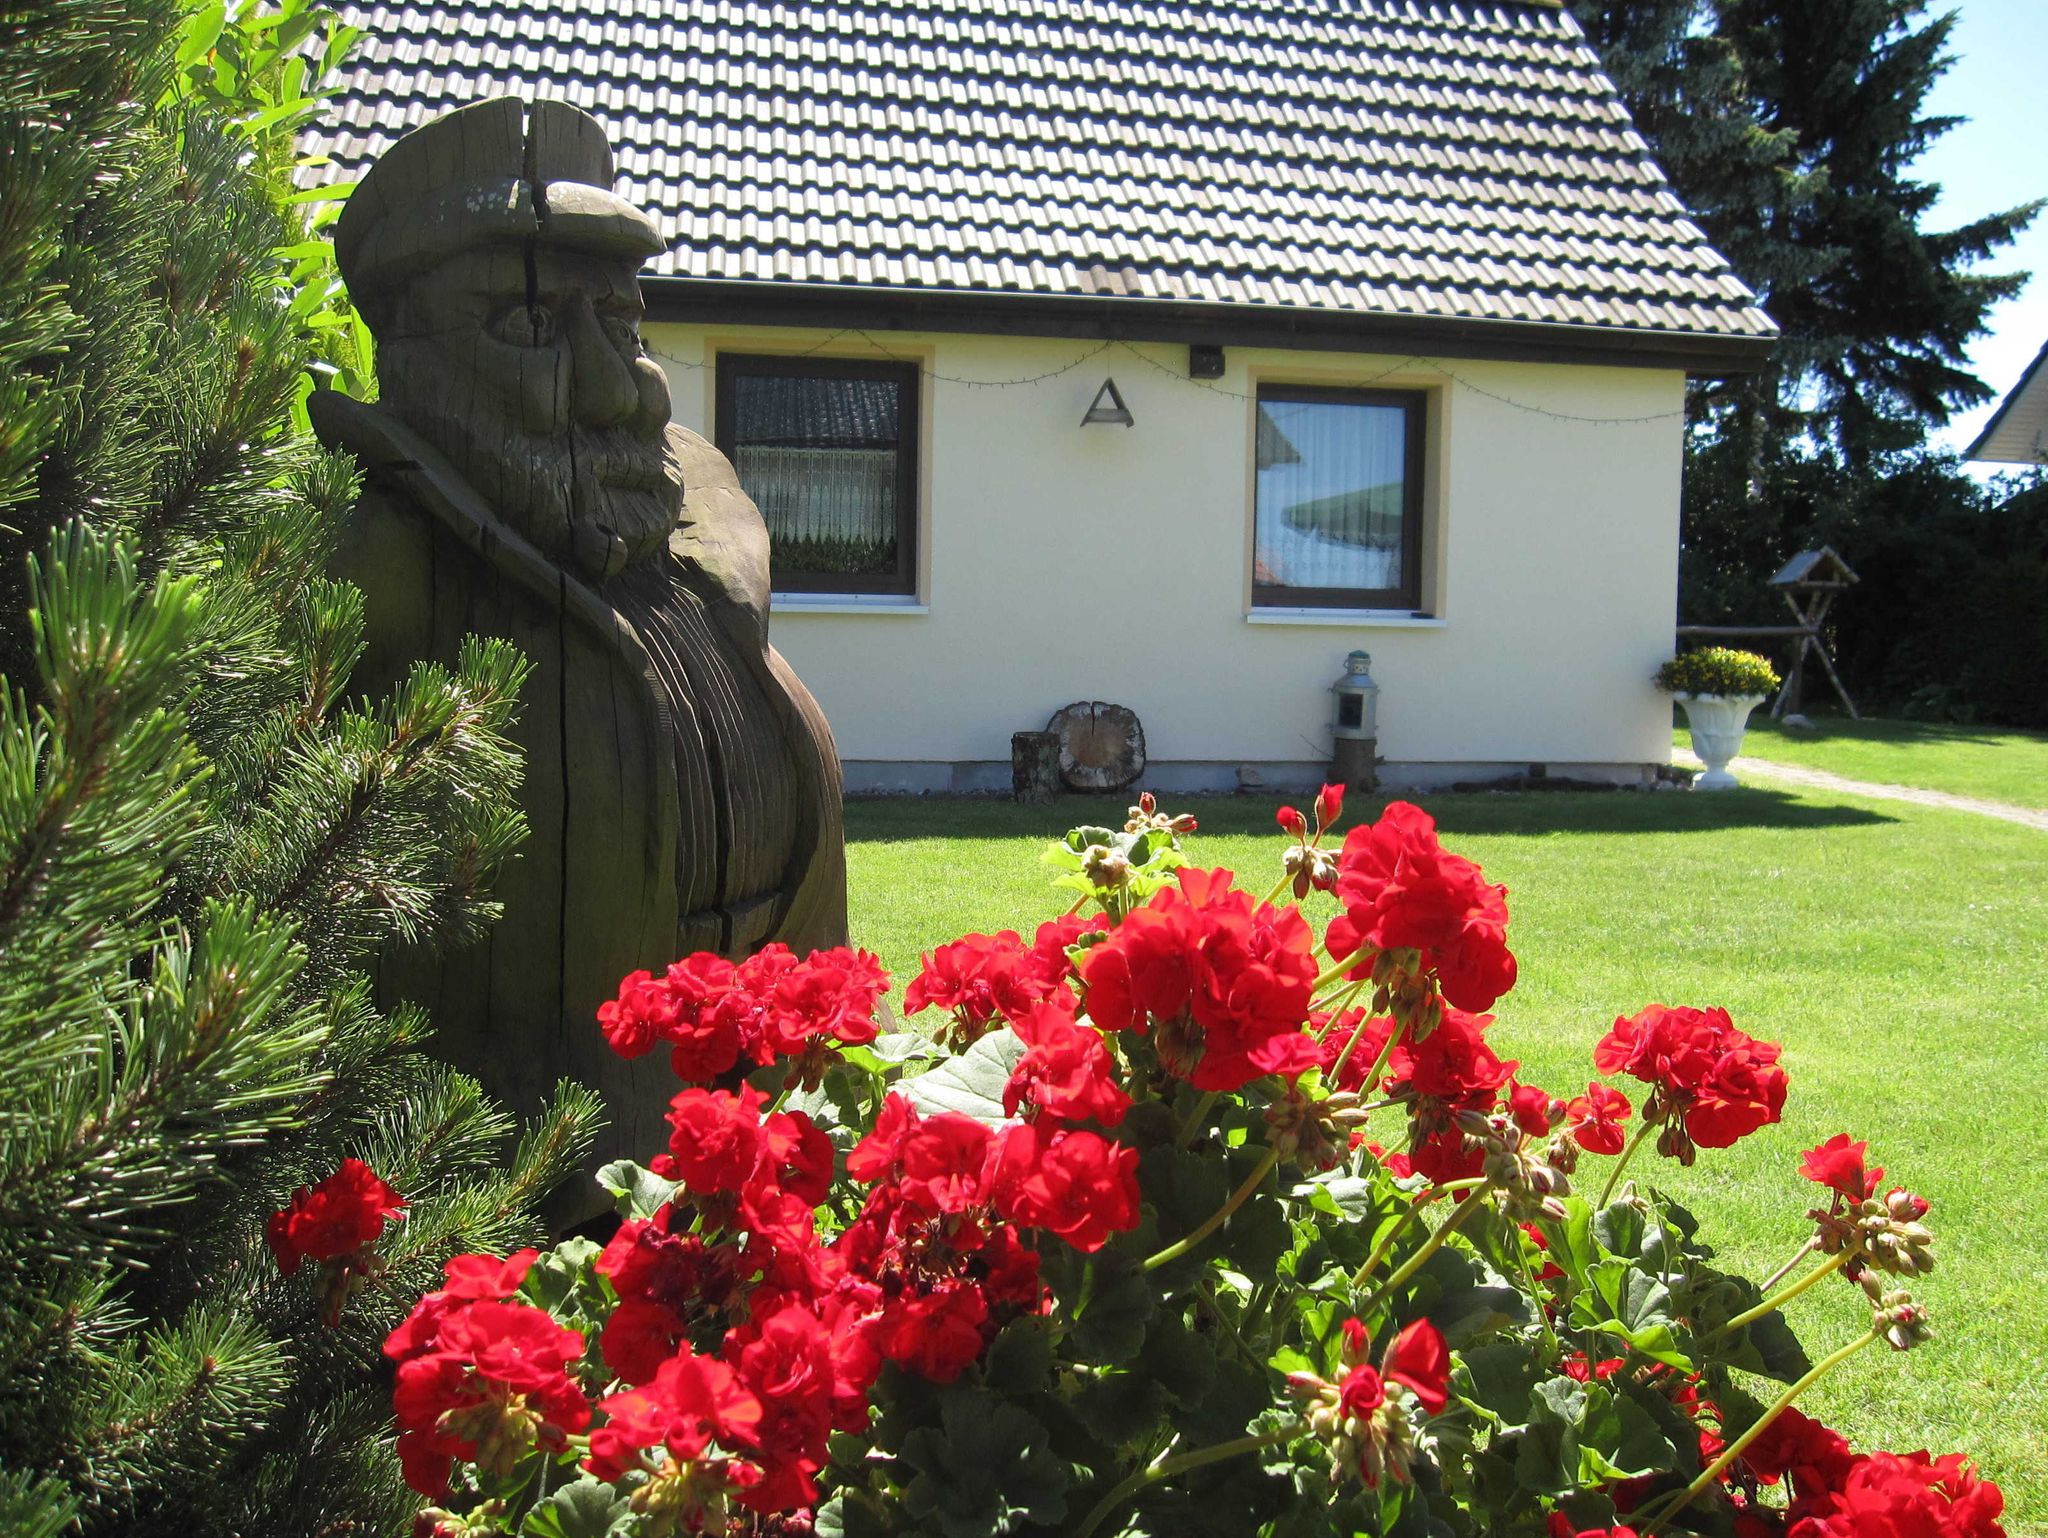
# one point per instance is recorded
(2017, 433)
(1399, 308)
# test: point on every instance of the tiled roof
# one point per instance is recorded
(1456, 160)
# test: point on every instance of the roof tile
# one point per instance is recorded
(1456, 158)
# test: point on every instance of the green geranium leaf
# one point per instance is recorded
(1768, 1348)
(1180, 1360)
(1020, 1360)
(1350, 1197)
(1655, 1341)
(1111, 1321)
(639, 1193)
(970, 1084)
(1619, 1227)
(985, 1470)
(1498, 1379)
(561, 1281)
(589, 1508)
(904, 1047)
(1257, 1235)
(1572, 1246)
(1187, 1186)
(1119, 1407)
(1617, 1439)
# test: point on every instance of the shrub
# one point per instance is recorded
(1185, 1220)
(1717, 670)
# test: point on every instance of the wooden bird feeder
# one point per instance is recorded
(1809, 583)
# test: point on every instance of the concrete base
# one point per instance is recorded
(910, 777)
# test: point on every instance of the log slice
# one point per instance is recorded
(1102, 746)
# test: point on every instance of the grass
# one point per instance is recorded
(1894, 950)
(1989, 762)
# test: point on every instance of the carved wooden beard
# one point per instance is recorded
(548, 408)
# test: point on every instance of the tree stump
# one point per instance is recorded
(1102, 746)
(1035, 766)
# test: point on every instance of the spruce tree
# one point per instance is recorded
(202, 837)
(1788, 127)
(1878, 334)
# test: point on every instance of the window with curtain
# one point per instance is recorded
(1338, 521)
(827, 448)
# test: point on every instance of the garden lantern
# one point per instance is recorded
(1356, 748)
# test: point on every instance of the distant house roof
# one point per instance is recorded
(2017, 433)
(1451, 175)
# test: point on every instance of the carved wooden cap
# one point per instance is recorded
(500, 171)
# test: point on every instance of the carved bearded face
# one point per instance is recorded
(524, 367)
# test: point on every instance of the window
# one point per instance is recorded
(1338, 516)
(827, 448)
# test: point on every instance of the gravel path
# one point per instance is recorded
(1820, 779)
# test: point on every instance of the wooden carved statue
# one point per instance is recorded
(522, 479)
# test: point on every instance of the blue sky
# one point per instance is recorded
(1996, 160)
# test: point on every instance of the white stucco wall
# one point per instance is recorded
(1063, 563)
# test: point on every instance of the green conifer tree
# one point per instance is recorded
(201, 836)
(1788, 127)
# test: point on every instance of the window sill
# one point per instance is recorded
(846, 603)
(1355, 619)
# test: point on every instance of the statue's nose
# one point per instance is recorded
(601, 385)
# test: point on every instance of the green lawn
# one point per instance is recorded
(1990, 762)
(1895, 951)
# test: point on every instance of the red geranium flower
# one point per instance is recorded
(337, 1217)
(1402, 891)
(1795, 1445)
(1221, 983)
(1596, 1118)
(1713, 1084)
(1418, 1358)
(1072, 1183)
(1883, 1495)
(1067, 1072)
(1561, 1526)
(690, 1403)
(1838, 1165)
(982, 977)
(473, 1372)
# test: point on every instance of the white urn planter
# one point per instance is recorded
(1717, 722)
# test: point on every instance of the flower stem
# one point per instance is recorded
(1515, 1237)
(1195, 1119)
(1279, 887)
(1734, 1449)
(1628, 1153)
(1785, 1270)
(1415, 1262)
(1372, 1075)
(1216, 1219)
(1769, 1305)
(1166, 1468)
(1338, 969)
(1379, 1253)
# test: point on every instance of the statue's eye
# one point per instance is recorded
(624, 332)
(524, 325)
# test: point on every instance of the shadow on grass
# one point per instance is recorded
(896, 819)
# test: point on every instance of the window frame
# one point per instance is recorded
(1405, 599)
(907, 377)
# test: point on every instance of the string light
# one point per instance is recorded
(1412, 361)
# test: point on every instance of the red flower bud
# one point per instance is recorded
(1329, 806)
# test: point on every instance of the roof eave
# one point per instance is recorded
(2029, 396)
(729, 301)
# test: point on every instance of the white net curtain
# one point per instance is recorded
(819, 457)
(1331, 493)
